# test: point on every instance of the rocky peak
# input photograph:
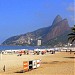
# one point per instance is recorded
(58, 27)
(64, 24)
(57, 19)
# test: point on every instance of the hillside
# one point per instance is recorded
(52, 35)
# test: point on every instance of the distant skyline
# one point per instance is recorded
(22, 16)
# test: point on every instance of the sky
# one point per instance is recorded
(22, 16)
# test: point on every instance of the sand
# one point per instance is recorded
(60, 63)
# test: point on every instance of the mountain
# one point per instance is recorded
(59, 28)
(53, 35)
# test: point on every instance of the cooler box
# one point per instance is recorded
(26, 65)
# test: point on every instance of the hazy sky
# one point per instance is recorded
(22, 16)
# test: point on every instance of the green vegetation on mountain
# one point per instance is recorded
(71, 35)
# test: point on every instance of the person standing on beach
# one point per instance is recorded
(4, 68)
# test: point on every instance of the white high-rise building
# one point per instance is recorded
(39, 42)
(29, 40)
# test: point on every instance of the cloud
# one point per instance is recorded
(71, 7)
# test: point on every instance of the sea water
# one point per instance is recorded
(20, 47)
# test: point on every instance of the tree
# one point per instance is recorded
(71, 37)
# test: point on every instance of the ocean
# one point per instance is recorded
(20, 47)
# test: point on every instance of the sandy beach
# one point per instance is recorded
(60, 63)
